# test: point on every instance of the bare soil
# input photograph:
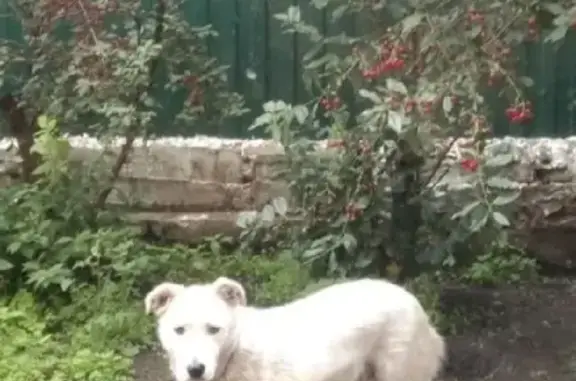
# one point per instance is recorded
(514, 334)
(518, 334)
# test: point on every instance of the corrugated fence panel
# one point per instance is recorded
(553, 95)
(265, 64)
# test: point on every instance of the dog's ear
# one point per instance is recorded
(230, 291)
(158, 300)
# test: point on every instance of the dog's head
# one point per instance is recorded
(196, 324)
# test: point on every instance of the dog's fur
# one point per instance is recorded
(363, 330)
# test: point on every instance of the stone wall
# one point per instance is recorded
(185, 189)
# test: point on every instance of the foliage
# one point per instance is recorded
(51, 238)
(94, 334)
(106, 66)
(406, 180)
(501, 264)
(30, 351)
(427, 289)
(107, 316)
(268, 280)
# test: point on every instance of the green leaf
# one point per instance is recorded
(411, 22)
(261, 120)
(557, 34)
(275, 106)
(251, 74)
(280, 205)
(313, 253)
(501, 160)
(466, 210)
(396, 86)
(370, 95)
(500, 219)
(301, 113)
(320, 4)
(506, 199)
(395, 121)
(501, 182)
(479, 223)
(268, 213)
(42, 121)
(447, 104)
(364, 262)
(526, 81)
(554, 8)
(5, 265)
(339, 12)
(294, 15)
(65, 284)
(349, 242)
(474, 32)
(245, 219)
(14, 247)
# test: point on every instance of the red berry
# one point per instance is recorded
(469, 165)
(410, 105)
(520, 113)
(331, 103)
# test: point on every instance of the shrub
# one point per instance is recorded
(501, 264)
(95, 334)
(107, 316)
(105, 69)
(52, 237)
(403, 103)
(269, 279)
(29, 351)
(49, 246)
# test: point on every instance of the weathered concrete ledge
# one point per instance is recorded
(187, 188)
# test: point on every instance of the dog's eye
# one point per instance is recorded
(179, 330)
(212, 329)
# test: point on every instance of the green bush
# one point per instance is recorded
(267, 279)
(95, 334)
(52, 237)
(30, 352)
(108, 316)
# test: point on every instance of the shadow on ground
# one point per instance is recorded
(516, 334)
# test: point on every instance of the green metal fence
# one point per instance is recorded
(265, 63)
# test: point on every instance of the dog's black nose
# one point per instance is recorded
(196, 371)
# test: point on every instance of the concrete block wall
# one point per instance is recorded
(189, 188)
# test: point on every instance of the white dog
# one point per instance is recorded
(359, 330)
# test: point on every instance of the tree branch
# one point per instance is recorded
(23, 131)
(131, 134)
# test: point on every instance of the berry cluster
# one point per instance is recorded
(474, 16)
(352, 212)
(331, 103)
(195, 90)
(469, 165)
(520, 113)
(425, 106)
(533, 31)
(391, 59)
(87, 16)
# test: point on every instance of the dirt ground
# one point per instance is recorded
(515, 334)
(522, 334)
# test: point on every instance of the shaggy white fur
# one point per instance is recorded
(362, 330)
